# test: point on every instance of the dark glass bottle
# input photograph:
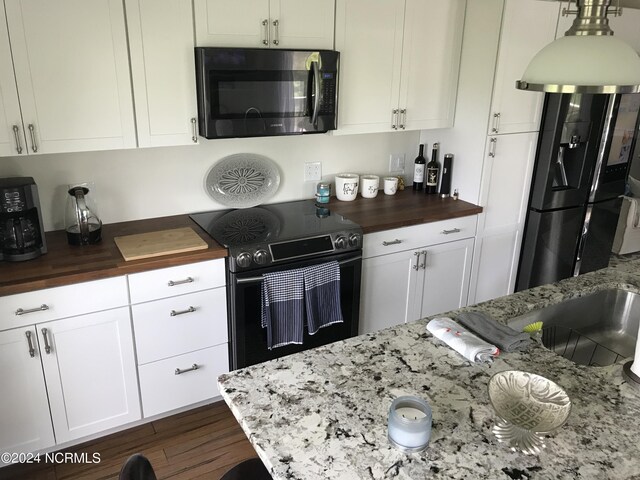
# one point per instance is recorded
(418, 169)
(433, 169)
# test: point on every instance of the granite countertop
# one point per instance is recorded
(321, 414)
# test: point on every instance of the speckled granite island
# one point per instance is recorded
(322, 414)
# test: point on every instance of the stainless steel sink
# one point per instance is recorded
(597, 329)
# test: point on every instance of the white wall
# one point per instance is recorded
(146, 183)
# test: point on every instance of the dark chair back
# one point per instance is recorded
(137, 467)
(251, 469)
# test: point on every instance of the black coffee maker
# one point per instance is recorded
(21, 230)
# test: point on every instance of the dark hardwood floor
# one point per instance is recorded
(199, 444)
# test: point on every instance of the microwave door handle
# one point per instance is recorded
(316, 93)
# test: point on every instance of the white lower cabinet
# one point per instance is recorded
(182, 380)
(24, 409)
(180, 326)
(68, 364)
(90, 373)
(506, 180)
(411, 284)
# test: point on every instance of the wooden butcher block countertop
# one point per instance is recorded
(65, 264)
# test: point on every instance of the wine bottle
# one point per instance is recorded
(432, 171)
(418, 170)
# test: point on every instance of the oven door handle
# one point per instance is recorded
(259, 279)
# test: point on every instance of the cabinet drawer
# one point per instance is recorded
(162, 390)
(173, 326)
(60, 302)
(167, 282)
(406, 238)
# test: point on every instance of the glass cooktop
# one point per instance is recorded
(272, 223)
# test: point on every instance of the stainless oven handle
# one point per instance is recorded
(259, 279)
(316, 89)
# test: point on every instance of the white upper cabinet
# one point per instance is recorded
(12, 139)
(72, 72)
(399, 63)
(161, 35)
(527, 26)
(304, 24)
(430, 62)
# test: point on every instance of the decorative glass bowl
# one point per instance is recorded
(528, 406)
(242, 180)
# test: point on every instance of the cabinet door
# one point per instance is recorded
(447, 270)
(431, 62)
(495, 264)
(240, 23)
(527, 26)
(90, 373)
(165, 98)
(305, 24)
(12, 139)
(72, 70)
(506, 181)
(388, 286)
(24, 409)
(369, 39)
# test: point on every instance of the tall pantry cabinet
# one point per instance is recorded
(527, 26)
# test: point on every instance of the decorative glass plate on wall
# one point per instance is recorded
(242, 180)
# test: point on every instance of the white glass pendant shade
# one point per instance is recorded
(584, 64)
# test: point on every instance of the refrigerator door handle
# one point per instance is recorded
(563, 171)
(583, 241)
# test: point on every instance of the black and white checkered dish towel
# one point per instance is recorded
(286, 295)
(322, 295)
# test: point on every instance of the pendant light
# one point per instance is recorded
(588, 59)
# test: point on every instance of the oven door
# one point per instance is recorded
(248, 340)
(258, 92)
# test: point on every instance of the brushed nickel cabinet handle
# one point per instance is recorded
(276, 32)
(173, 283)
(496, 123)
(449, 232)
(194, 130)
(191, 369)
(492, 147)
(394, 119)
(417, 265)
(32, 132)
(47, 347)
(397, 241)
(32, 351)
(174, 313)
(423, 265)
(265, 38)
(42, 307)
(403, 118)
(16, 135)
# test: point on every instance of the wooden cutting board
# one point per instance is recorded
(163, 242)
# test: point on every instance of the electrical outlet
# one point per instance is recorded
(396, 162)
(312, 171)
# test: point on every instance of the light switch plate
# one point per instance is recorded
(312, 171)
(396, 163)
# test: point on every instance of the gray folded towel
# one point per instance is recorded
(486, 327)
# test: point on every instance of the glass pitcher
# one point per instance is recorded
(82, 223)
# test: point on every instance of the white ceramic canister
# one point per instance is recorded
(369, 186)
(347, 186)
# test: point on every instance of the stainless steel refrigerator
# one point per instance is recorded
(584, 150)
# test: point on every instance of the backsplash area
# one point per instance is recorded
(154, 182)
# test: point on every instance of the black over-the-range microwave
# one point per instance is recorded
(252, 92)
